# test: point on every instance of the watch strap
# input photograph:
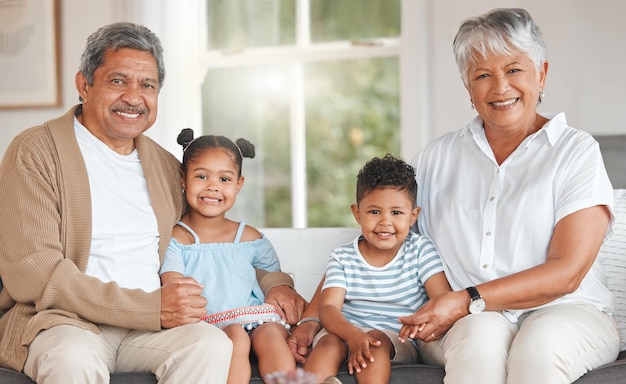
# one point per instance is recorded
(473, 293)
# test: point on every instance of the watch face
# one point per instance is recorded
(477, 306)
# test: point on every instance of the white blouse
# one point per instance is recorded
(490, 220)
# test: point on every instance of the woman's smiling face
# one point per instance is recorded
(505, 89)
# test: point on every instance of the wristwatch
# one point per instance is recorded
(477, 303)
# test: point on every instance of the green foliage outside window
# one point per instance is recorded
(351, 106)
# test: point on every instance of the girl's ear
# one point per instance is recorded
(182, 180)
(240, 183)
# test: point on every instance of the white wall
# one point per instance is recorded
(78, 20)
(586, 42)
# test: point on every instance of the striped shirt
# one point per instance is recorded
(377, 296)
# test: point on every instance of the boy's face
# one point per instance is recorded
(385, 216)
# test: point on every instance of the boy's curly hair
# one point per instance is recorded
(388, 171)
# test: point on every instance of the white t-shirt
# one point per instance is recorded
(124, 245)
(490, 220)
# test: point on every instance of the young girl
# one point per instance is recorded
(222, 255)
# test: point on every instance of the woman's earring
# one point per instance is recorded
(472, 106)
(183, 191)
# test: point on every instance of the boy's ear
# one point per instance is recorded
(414, 214)
(355, 212)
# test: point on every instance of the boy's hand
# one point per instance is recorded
(408, 331)
(359, 351)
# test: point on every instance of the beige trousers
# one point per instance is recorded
(195, 353)
(557, 344)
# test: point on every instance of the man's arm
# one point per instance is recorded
(279, 291)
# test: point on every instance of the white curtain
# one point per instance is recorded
(181, 26)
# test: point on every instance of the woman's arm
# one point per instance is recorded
(573, 248)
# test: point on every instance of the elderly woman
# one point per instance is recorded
(518, 204)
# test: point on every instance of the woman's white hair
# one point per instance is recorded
(498, 32)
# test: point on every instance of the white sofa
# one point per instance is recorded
(304, 253)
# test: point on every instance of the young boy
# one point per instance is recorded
(385, 273)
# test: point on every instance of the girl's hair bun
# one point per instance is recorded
(185, 137)
(246, 148)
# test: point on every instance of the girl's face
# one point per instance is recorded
(505, 90)
(385, 216)
(212, 182)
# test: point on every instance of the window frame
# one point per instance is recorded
(295, 57)
(183, 30)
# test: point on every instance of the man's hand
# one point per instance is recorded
(301, 339)
(181, 302)
(287, 302)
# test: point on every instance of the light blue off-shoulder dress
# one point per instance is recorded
(227, 270)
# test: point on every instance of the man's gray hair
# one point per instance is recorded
(117, 36)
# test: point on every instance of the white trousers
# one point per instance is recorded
(194, 353)
(556, 344)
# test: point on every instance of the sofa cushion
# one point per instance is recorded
(613, 254)
(613, 153)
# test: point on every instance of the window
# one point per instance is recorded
(314, 84)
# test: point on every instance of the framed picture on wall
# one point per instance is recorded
(29, 54)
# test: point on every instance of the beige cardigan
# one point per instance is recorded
(45, 236)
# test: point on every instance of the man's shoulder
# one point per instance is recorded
(29, 145)
(45, 133)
